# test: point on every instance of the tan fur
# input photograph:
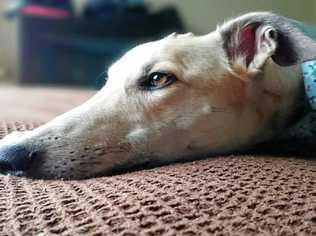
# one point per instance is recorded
(217, 105)
(233, 91)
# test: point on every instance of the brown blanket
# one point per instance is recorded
(234, 195)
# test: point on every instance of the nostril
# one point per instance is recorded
(15, 158)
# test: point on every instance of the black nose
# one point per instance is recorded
(15, 158)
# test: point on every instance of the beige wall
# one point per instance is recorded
(8, 46)
(200, 16)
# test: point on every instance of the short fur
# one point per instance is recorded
(228, 97)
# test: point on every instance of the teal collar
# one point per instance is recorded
(309, 76)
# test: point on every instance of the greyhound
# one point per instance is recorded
(179, 98)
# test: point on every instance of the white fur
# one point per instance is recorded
(183, 120)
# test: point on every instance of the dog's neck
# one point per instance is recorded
(302, 117)
(302, 120)
(286, 86)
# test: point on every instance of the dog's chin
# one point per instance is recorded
(24, 174)
(15, 173)
(35, 175)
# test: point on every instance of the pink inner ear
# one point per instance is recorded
(247, 42)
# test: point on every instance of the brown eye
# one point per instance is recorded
(158, 80)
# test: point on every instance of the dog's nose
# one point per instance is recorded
(15, 158)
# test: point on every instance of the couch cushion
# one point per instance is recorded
(233, 195)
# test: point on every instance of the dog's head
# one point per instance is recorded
(180, 97)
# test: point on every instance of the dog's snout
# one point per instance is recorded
(15, 158)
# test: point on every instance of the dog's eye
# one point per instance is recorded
(158, 80)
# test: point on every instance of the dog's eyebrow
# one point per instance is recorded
(147, 68)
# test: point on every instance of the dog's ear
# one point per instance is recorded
(251, 43)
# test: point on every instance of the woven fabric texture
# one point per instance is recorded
(235, 195)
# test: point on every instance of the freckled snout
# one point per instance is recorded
(15, 158)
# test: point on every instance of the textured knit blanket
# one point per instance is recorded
(233, 195)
